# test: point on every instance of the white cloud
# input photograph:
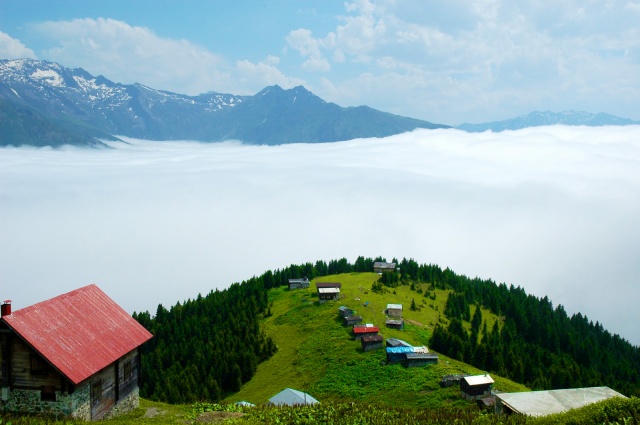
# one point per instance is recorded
(493, 57)
(129, 54)
(11, 48)
(263, 73)
(552, 209)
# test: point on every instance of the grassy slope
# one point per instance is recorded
(316, 353)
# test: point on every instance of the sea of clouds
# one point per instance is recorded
(555, 210)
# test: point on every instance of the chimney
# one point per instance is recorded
(5, 310)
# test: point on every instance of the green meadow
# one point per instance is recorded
(317, 354)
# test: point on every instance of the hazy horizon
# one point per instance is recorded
(551, 209)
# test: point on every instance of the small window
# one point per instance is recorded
(96, 391)
(38, 365)
(47, 393)
(127, 371)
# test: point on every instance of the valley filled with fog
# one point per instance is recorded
(555, 210)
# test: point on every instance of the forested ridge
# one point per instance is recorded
(206, 348)
(538, 345)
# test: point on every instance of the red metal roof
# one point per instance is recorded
(80, 332)
(365, 329)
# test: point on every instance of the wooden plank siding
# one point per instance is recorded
(114, 383)
(103, 392)
(128, 373)
(30, 371)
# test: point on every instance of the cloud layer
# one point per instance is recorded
(551, 209)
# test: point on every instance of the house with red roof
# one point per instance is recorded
(360, 331)
(76, 355)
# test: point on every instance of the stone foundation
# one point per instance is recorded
(125, 404)
(76, 405)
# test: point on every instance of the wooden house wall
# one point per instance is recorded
(352, 320)
(421, 362)
(359, 336)
(370, 346)
(103, 392)
(128, 379)
(395, 312)
(21, 376)
(474, 390)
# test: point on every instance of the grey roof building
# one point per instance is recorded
(291, 397)
(542, 403)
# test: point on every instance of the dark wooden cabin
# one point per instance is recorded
(75, 355)
(366, 330)
(420, 359)
(371, 342)
(301, 283)
(352, 320)
(383, 267)
(346, 311)
(395, 323)
(476, 387)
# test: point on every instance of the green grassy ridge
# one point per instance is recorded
(317, 354)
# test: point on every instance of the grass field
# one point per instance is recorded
(317, 354)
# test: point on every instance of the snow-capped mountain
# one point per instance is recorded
(540, 118)
(48, 104)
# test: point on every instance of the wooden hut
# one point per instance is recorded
(371, 342)
(346, 311)
(476, 387)
(398, 354)
(352, 320)
(395, 324)
(394, 310)
(420, 359)
(361, 331)
(383, 267)
(298, 283)
(395, 342)
(74, 355)
(328, 294)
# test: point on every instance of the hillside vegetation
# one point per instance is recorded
(317, 354)
(257, 338)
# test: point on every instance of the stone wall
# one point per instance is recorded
(81, 402)
(29, 401)
(125, 404)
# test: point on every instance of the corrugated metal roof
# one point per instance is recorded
(291, 397)
(394, 306)
(478, 379)
(383, 265)
(372, 338)
(399, 350)
(542, 403)
(395, 342)
(328, 285)
(328, 290)
(418, 356)
(365, 329)
(79, 332)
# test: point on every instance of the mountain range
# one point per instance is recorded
(46, 104)
(540, 118)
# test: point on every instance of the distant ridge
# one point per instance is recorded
(540, 118)
(45, 104)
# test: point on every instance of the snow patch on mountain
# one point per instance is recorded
(49, 76)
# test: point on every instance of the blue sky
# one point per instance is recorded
(444, 61)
